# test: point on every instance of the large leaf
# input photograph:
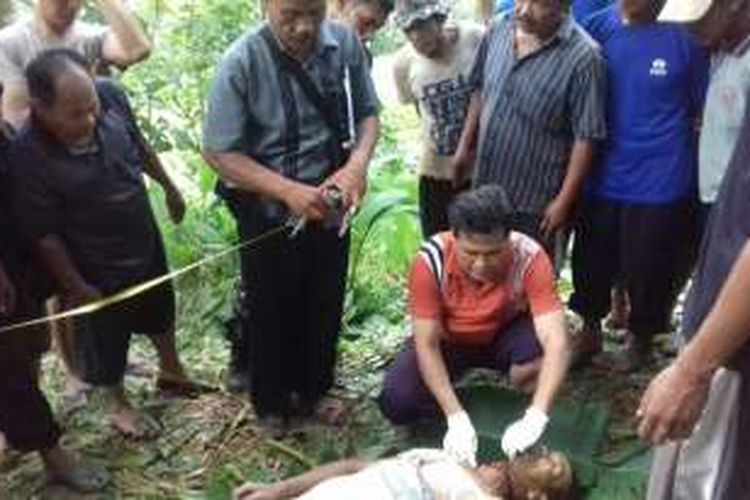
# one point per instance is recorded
(576, 428)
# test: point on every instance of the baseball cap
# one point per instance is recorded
(684, 11)
(409, 12)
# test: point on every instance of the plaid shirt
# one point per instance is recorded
(534, 109)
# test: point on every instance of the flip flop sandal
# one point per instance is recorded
(182, 389)
(83, 479)
(139, 369)
(147, 429)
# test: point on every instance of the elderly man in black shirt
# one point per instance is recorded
(78, 169)
(25, 415)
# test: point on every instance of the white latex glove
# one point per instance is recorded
(524, 433)
(460, 441)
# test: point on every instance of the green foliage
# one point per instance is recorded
(170, 88)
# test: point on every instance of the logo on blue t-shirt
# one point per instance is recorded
(659, 67)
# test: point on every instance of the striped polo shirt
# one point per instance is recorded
(534, 109)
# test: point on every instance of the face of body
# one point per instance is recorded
(484, 258)
(58, 15)
(296, 24)
(541, 18)
(71, 118)
(427, 37)
(364, 18)
(539, 475)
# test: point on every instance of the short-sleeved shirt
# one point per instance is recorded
(726, 101)
(656, 82)
(581, 9)
(259, 111)
(441, 88)
(727, 234)
(95, 199)
(22, 41)
(473, 313)
(534, 109)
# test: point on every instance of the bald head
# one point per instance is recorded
(63, 97)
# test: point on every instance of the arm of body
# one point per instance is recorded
(524, 433)
(15, 103)
(550, 329)
(460, 440)
(251, 176)
(674, 401)
(557, 213)
(463, 160)
(68, 280)
(154, 168)
(586, 100)
(298, 485)
(352, 177)
(427, 335)
(127, 43)
(553, 337)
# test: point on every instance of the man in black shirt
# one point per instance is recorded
(78, 169)
(25, 415)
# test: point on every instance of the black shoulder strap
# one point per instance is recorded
(288, 63)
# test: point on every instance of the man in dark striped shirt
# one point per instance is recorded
(536, 113)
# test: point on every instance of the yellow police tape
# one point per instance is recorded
(142, 287)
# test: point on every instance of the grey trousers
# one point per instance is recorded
(708, 465)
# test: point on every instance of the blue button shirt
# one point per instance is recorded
(656, 78)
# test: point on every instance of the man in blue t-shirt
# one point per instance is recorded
(638, 221)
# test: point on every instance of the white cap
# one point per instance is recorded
(684, 11)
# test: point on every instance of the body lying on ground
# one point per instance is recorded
(424, 474)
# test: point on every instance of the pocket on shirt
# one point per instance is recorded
(543, 108)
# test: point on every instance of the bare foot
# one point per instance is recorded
(62, 467)
(135, 425)
(75, 394)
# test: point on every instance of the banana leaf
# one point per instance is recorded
(578, 429)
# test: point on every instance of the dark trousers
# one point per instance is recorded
(406, 399)
(25, 415)
(294, 295)
(435, 196)
(648, 249)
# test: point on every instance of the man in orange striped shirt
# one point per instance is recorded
(480, 296)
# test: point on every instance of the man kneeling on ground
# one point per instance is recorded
(480, 296)
(423, 474)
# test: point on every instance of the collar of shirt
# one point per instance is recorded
(326, 43)
(49, 144)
